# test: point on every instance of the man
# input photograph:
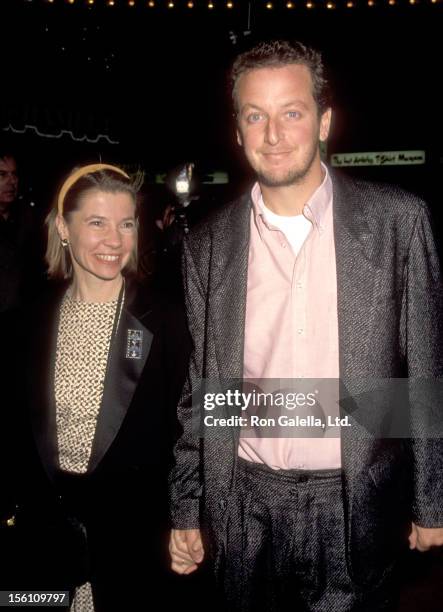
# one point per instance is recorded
(8, 183)
(21, 269)
(310, 275)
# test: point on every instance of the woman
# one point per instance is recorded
(98, 366)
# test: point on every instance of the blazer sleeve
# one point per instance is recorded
(423, 329)
(185, 478)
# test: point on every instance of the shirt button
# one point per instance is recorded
(299, 331)
(299, 285)
(283, 244)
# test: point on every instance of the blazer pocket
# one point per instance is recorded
(380, 472)
(391, 476)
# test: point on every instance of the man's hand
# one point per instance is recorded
(424, 538)
(186, 548)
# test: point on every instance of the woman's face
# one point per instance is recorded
(102, 234)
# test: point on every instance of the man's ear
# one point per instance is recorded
(325, 124)
(239, 138)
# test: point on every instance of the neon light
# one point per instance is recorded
(33, 128)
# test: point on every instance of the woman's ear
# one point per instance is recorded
(62, 227)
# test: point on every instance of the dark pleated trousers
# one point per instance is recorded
(284, 546)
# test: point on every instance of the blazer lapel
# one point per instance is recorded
(229, 275)
(357, 279)
(41, 374)
(127, 358)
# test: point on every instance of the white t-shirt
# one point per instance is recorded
(295, 228)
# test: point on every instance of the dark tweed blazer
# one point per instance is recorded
(390, 326)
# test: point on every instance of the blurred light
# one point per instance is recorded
(269, 5)
(229, 5)
(111, 2)
(71, 1)
(289, 5)
(350, 4)
(392, 2)
(309, 5)
(90, 1)
(131, 2)
(371, 3)
(330, 5)
(190, 5)
(151, 3)
(210, 5)
(170, 5)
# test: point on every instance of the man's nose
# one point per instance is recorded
(272, 134)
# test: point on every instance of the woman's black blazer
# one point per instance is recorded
(122, 499)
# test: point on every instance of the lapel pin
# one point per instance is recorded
(134, 344)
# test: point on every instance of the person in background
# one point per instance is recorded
(183, 210)
(21, 267)
(93, 371)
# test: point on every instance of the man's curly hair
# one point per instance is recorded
(278, 53)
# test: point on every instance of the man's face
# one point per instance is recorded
(8, 181)
(278, 123)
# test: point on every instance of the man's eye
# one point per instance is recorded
(254, 117)
(294, 114)
(96, 223)
(128, 225)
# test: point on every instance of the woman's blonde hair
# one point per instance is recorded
(58, 257)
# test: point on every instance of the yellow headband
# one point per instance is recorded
(73, 178)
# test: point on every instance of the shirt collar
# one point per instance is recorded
(314, 210)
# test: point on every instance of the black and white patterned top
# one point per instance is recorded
(83, 341)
